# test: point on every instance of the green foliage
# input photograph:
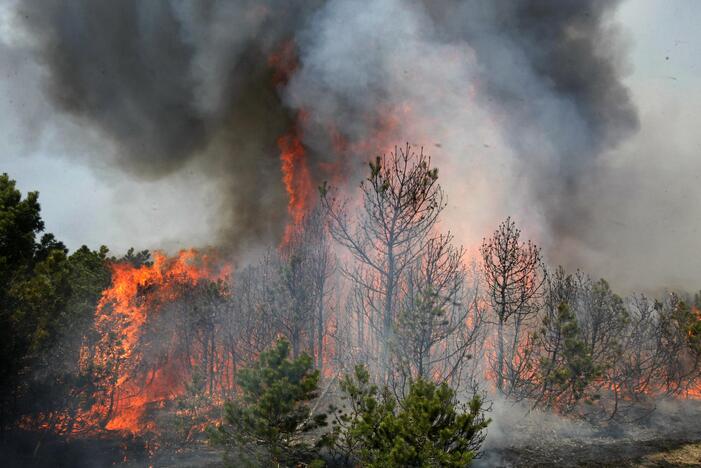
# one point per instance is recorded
(60, 294)
(427, 428)
(20, 222)
(57, 303)
(271, 422)
(570, 369)
(47, 302)
(136, 259)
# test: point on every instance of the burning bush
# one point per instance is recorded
(153, 325)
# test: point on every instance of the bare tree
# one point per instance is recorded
(253, 321)
(306, 263)
(438, 321)
(515, 274)
(680, 338)
(295, 316)
(401, 201)
(322, 265)
(635, 379)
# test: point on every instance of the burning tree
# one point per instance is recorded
(637, 375)
(152, 325)
(139, 344)
(305, 265)
(599, 356)
(514, 274)
(439, 320)
(680, 338)
(401, 202)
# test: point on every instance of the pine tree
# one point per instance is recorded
(567, 369)
(272, 420)
(429, 427)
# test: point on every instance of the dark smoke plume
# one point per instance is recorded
(175, 84)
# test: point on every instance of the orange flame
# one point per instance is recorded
(297, 180)
(284, 62)
(135, 295)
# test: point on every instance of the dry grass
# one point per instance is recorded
(686, 455)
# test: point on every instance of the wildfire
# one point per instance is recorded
(297, 179)
(388, 122)
(137, 294)
(283, 62)
(295, 171)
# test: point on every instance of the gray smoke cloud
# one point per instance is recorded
(516, 100)
(556, 69)
(540, 81)
(171, 84)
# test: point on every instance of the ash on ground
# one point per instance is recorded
(668, 436)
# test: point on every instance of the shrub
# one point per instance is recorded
(427, 428)
(271, 421)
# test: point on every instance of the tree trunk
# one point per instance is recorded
(211, 363)
(387, 318)
(500, 356)
(320, 327)
(295, 341)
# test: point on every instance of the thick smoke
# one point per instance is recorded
(555, 68)
(516, 100)
(522, 97)
(177, 83)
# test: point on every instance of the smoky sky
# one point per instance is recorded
(175, 84)
(556, 70)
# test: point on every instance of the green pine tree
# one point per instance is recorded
(429, 427)
(272, 421)
(569, 370)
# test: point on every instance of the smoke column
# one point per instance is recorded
(516, 100)
(172, 83)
